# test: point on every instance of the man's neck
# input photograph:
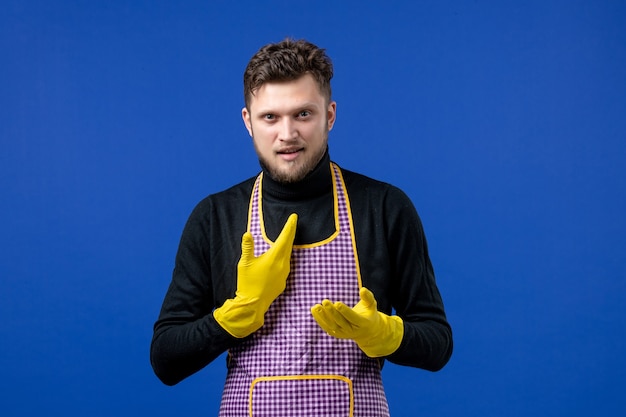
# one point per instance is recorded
(315, 183)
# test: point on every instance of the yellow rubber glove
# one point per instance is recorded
(376, 333)
(260, 280)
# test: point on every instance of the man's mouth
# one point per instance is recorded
(289, 154)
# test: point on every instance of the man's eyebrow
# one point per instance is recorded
(303, 106)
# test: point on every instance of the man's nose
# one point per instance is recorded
(287, 129)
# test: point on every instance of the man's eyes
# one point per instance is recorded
(300, 115)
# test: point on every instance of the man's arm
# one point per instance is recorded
(186, 335)
(427, 340)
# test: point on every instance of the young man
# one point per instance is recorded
(304, 301)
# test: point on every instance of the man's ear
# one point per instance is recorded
(331, 114)
(245, 115)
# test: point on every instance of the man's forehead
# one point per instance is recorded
(287, 95)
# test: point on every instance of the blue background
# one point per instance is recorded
(503, 121)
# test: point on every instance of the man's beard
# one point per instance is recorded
(292, 176)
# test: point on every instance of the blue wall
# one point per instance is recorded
(503, 121)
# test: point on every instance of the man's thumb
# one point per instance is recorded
(247, 247)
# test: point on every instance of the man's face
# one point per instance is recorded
(289, 124)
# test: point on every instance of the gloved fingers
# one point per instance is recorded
(327, 303)
(353, 318)
(247, 248)
(367, 298)
(322, 319)
(327, 318)
(284, 241)
(343, 317)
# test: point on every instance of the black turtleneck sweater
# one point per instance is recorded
(393, 259)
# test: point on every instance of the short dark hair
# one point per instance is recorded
(287, 60)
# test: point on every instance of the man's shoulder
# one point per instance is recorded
(375, 197)
(350, 176)
(359, 182)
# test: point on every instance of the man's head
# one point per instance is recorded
(287, 60)
(288, 109)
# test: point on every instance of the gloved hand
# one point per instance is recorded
(260, 280)
(376, 333)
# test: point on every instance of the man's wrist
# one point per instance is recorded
(240, 316)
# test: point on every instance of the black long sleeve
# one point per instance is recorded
(392, 252)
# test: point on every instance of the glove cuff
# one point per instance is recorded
(239, 316)
(387, 341)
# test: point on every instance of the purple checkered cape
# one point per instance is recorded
(291, 367)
